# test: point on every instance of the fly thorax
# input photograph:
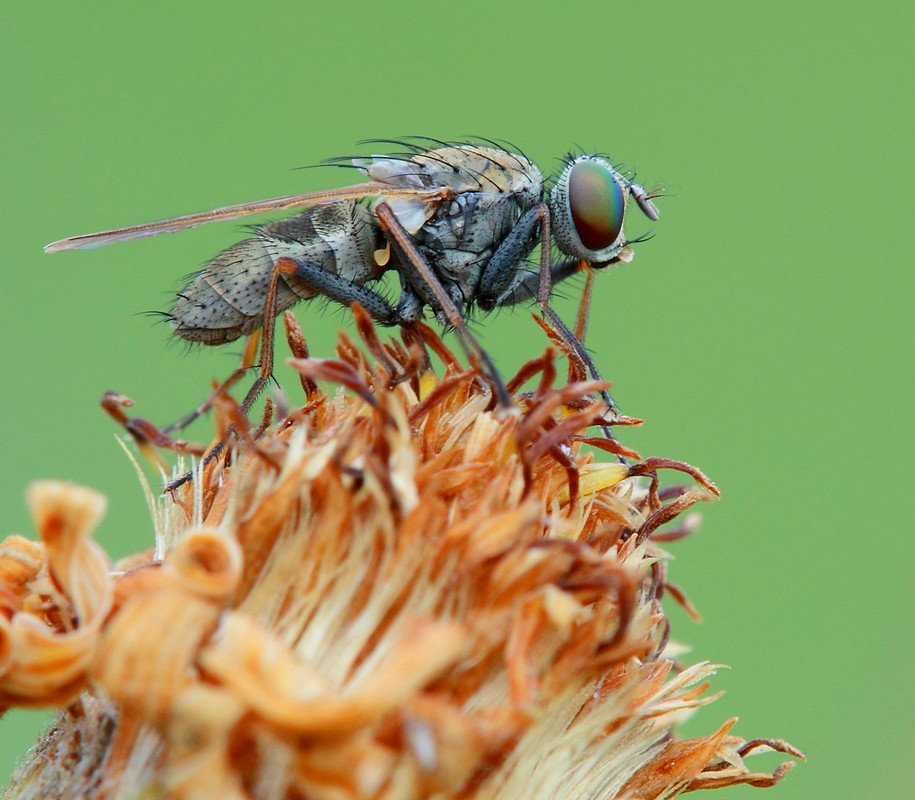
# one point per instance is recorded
(461, 239)
(464, 169)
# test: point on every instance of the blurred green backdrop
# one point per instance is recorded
(764, 333)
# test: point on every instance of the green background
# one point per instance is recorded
(763, 333)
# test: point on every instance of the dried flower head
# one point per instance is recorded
(394, 591)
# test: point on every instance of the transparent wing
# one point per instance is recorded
(358, 191)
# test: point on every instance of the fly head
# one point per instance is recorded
(588, 206)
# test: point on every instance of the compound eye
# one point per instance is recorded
(597, 204)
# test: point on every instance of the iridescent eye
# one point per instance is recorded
(597, 203)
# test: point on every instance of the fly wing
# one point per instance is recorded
(355, 192)
(410, 209)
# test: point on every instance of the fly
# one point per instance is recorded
(458, 224)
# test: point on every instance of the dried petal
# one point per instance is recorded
(395, 591)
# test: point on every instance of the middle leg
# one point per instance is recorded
(409, 252)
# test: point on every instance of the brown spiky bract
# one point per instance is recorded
(394, 591)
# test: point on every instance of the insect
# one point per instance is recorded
(457, 222)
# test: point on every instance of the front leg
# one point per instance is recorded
(525, 288)
(511, 292)
(502, 273)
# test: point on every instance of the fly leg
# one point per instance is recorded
(426, 281)
(341, 290)
(148, 437)
(265, 362)
(247, 361)
(264, 372)
(584, 307)
(503, 274)
(504, 283)
(543, 298)
(526, 286)
(526, 290)
(327, 283)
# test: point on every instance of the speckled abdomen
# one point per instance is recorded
(225, 300)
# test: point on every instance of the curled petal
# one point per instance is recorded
(20, 562)
(65, 515)
(144, 659)
(208, 562)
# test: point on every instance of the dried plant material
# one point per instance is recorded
(58, 595)
(393, 591)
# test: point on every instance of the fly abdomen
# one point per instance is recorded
(226, 299)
